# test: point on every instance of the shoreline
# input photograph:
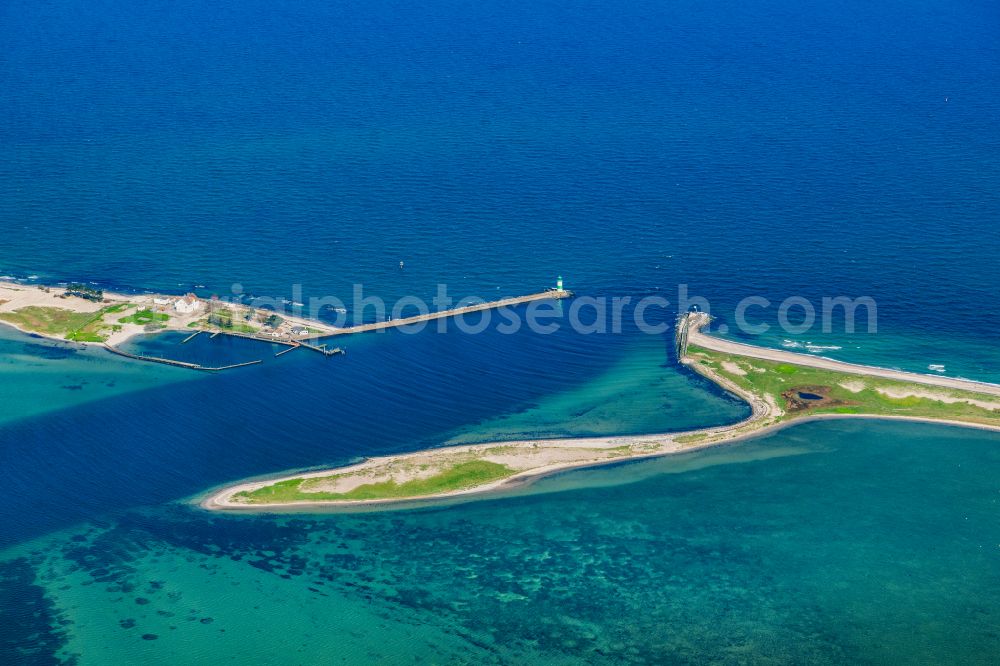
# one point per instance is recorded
(212, 501)
(698, 338)
(63, 316)
(766, 417)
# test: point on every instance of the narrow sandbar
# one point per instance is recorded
(782, 388)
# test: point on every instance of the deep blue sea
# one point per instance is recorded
(764, 148)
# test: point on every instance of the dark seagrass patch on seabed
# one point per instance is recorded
(31, 627)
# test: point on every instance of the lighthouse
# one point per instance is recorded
(559, 284)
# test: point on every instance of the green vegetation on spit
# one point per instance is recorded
(458, 477)
(76, 326)
(835, 392)
(791, 391)
(51, 321)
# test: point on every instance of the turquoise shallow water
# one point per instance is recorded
(40, 375)
(833, 542)
(104, 434)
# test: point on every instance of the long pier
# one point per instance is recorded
(554, 294)
(292, 344)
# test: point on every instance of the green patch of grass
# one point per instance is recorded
(281, 491)
(85, 336)
(143, 317)
(76, 326)
(47, 320)
(786, 369)
(458, 477)
(121, 307)
(93, 330)
(690, 439)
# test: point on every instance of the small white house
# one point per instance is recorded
(159, 300)
(188, 304)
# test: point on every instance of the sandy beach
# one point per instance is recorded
(16, 296)
(221, 500)
(532, 459)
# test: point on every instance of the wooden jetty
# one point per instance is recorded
(551, 294)
(190, 337)
(259, 338)
(322, 349)
(179, 364)
(291, 344)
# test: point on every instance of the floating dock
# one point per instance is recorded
(259, 338)
(291, 344)
(322, 349)
(551, 294)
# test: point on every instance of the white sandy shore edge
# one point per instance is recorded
(762, 421)
(697, 338)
